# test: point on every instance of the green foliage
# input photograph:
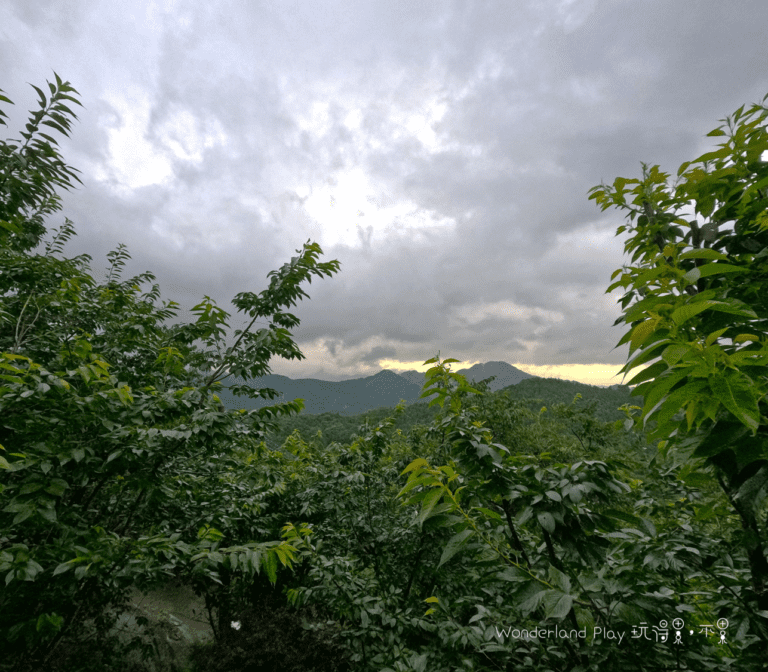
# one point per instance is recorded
(551, 391)
(516, 409)
(119, 467)
(494, 539)
(327, 428)
(31, 170)
(707, 397)
(571, 544)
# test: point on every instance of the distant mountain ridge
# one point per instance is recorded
(358, 395)
(346, 397)
(506, 375)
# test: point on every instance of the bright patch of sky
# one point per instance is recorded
(350, 208)
(352, 211)
(591, 374)
(188, 137)
(133, 161)
(399, 367)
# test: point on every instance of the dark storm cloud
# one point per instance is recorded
(441, 151)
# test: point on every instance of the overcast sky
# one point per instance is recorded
(441, 151)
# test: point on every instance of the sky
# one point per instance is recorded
(442, 152)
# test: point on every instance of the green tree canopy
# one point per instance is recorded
(109, 418)
(700, 318)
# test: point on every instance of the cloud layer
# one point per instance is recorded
(442, 152)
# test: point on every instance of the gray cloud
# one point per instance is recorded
(441, 151)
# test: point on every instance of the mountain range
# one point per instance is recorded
(359, 395)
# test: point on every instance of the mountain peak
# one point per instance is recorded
(505, 373)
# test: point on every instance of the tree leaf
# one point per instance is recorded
(491, 514)
(57, 487)
(659, 388)
(58, 127)
(424, 479)
(429, 503)
(43, 101)
(270, 566)
(546, 521)
(63, 567)
(692, 276)
(641, 332)
(557, 604)
(623, 516)
(686, 312)
(752, 491)
(736, 392)
(717, 269)
(532, 603)
(672, 404)
(419, 663)
(23, 514)
(675, 352)
(418, 462)
(703, 253)
(714, 336)
(559, 579)
(454, 545)
(743, 338)
(723, 435)
(652, 371)
(115, 454)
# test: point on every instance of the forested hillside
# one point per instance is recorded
(533, 393)
(551, 391)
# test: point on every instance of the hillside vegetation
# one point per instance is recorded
(530, 394)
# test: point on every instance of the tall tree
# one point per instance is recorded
(700, 321)
(107, 421)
